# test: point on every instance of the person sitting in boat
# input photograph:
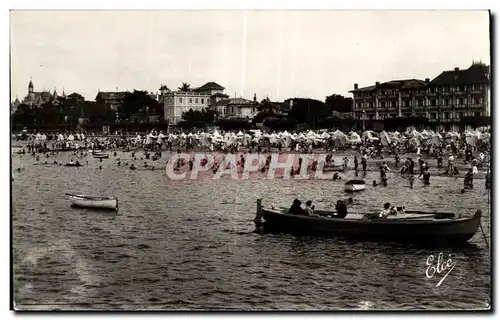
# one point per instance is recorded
(341, 209)
(71, 162)
(386, 212)
(132, 167)
(296, 208)
(77, 163)
(309, 209)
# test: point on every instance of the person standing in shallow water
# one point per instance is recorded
(355, 163)
(363, 162)
(426, 175)
(383, 176)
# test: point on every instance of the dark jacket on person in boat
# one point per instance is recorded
(296, 208)
(341, 208)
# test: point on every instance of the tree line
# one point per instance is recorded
(132, 113)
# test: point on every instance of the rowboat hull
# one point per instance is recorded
(395, 230)
(354, 185)
(101, 156)
(100, 204)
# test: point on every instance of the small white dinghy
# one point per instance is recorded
(101, 203)
(354, 185)
(100, 155)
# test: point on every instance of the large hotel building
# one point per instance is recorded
(449, 97)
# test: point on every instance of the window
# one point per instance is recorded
(476, 114)
(202, 101)
(407, 103)
(359, 105)
(389, 92)
(433, 102)
(383, 104)
(460, 115)
(196, 100)
(393, 104)
(370, 104)
(446, 115)
(180, 100)
(433, 115)
(383, 92)
(190, 100)
(420, 103)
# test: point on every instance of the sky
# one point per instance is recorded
(279, 54)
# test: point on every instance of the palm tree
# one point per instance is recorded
(185, 87)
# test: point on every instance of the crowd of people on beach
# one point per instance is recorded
(471, 146)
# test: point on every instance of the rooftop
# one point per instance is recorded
(235, 101)
(477, 73)
(210, 86)
(111, 95)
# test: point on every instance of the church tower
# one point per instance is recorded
(30, 86)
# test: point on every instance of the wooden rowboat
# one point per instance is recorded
(100, 156)
(354, 185)
(101, 203)
(429, 228)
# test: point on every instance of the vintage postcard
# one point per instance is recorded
(251, 160)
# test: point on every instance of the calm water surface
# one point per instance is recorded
(191, 245)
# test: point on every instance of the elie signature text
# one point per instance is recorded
(442, 267)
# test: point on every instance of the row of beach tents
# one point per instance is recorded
(411, 137)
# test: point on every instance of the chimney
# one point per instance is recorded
(457, 68)
(377, 84)
(254, 97)
(355, 86)
(427, 80)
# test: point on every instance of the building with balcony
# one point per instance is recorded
(111, 99)
(177, 102)
(449, 97)
(239, 108)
